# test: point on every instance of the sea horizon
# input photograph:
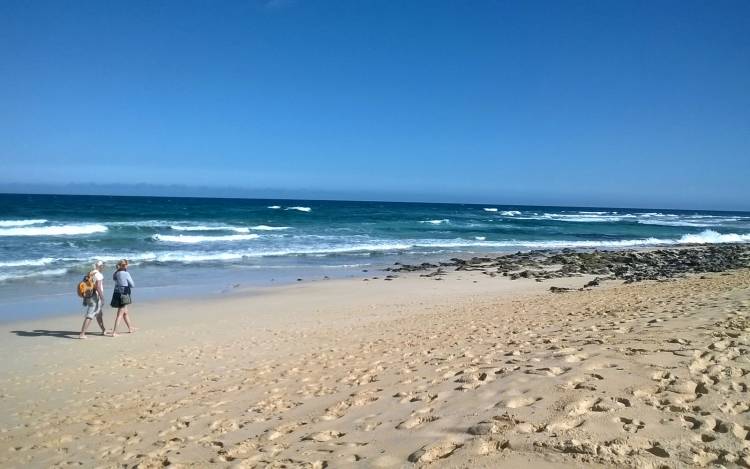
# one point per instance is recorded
(368, 199)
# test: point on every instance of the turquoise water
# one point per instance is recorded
(47, 241)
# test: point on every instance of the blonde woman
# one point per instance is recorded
(121, 296)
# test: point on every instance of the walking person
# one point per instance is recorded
(121, 296)
(92, 291)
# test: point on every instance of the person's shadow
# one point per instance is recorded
(46, 333)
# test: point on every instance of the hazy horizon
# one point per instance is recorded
(187, 191)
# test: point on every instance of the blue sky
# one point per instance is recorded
(567, 102)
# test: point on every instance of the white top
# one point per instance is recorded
(98, 277)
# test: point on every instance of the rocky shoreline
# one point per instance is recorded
(626, 265)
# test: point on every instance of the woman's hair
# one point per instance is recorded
(123, 264)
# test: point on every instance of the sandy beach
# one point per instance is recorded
(468, 371)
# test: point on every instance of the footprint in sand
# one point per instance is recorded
(631, 425)
(356, 400)
(484, 446)
(548, 371)
(580, 407)
(434, 451)
(658, 451)
(472, 381)
(691, 423)
(734, 407)
(416, 421)
(741, 432)
(498, 424)
(282, 430)
(368, 424)
(564, 424)
(326, 435)
(518, 402)
(406, 397)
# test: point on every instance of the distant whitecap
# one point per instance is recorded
(61, 230)
(203, 239)
(7, 223)
(270, 228)
(436, 222)
(237, 229)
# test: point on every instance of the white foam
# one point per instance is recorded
(657, 214)
(59, 230)
(6, 223)
(510, 213)
(675, 223)
(187, 239)
(713, 237)
(236, 229)
(436, 222)
(490, 209)
(274, 207)
(579, 217)
(299, 209)
(705, 237)
(28, 262)
(190, 257)
(699, 221)
(42, 273)
(146, 223)
(270, 228)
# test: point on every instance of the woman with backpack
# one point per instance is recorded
(121, 296)
(91, 289)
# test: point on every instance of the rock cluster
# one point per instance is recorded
(627, 265)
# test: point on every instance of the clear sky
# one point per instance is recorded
(618, 103)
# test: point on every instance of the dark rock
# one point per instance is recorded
(592, 283)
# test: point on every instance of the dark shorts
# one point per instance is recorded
(120, 300)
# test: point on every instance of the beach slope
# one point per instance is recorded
(469, 371)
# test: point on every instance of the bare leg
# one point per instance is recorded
(100, 320)
(84, 327)
(100, 314)
(117, 320)
(126, 318)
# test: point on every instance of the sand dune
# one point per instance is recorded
(465, 372)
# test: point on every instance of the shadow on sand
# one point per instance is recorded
(46, 333)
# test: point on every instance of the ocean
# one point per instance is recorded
(184, 246)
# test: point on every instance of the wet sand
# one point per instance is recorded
(468, 371)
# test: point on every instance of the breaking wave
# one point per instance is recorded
(41, 273)
(436, 222)
(270, 228)
(28, 262)
(6, 223)
(237, 229)
(60, 230)
(713, 237)
(188, 239)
